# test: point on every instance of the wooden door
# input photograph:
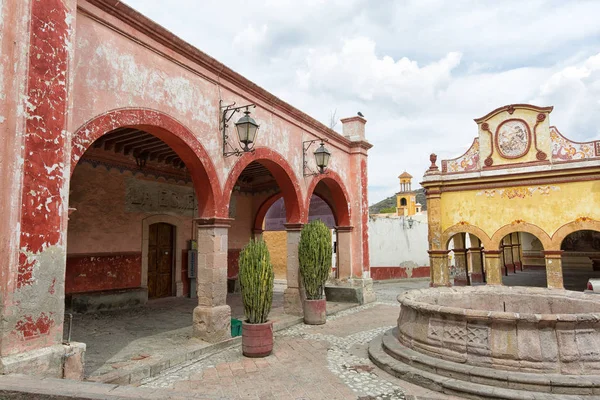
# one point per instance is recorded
(160, 260)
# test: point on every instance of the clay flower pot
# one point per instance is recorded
(315, 312)
(257, 339)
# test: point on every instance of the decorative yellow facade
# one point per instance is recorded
(520, 175)
(406, 199)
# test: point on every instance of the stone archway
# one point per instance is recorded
(331, 189)
(339, 201)
(465, 228)
(211, 316)
(580, 224)
(169, 130)
(284, 176)
(522, 226)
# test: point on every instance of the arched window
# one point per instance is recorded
(403, 201)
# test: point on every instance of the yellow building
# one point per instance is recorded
(522, 197)
(406, 199)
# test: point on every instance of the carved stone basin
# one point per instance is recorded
(512, 328)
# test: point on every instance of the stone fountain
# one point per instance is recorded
(496, 342)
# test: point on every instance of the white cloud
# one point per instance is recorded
(356, 70)
(251, 38)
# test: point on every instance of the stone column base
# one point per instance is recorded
(292, 302)
(460, 281)
(58, 361)
(212, 324)
(355, 290)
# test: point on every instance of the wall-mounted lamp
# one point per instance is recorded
(246, 128)
(322, 156)
(141, 159)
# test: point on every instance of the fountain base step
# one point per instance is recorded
(476, 382)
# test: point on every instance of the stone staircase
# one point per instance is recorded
(476, 382)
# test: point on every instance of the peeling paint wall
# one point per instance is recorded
(105, 272)
(69, 66)
(14, 41)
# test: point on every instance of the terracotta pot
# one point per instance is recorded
(315, 312)
(257, 339)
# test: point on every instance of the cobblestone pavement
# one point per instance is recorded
(308, 362)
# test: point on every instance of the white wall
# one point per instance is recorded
(393, 244)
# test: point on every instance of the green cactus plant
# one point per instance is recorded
(314, 256)
(256, 281)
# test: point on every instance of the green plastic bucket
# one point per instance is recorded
(236, 327)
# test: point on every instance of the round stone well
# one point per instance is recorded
(483, 340)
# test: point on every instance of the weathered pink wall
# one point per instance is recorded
(117, 72)
(109, 64)
(100, 223)
(14, 26)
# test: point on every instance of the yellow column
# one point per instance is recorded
(476, 260)
(434, 219)
(554, 273)
(440, 274)
(493, 270)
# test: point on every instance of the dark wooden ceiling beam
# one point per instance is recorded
(120, 145)
(110, 142)
(137, 145)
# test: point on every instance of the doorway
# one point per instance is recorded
(160, 260)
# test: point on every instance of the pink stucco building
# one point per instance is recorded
(112, 161)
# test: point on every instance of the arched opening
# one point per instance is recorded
(135, 191)
(328, 194)
(125, 177)
(466, 259)
(522, 260)
(580, 258)
(274, 232)
(257, 184)
(403, 202)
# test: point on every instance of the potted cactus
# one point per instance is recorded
(314, 256)
(256, 283)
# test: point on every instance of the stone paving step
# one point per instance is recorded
(554, 383)
(454, 386)
(150, 368)
(25, 387)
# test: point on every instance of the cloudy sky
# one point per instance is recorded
(419, 70)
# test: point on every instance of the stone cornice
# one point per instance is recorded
(363, 144)
(213, 222)
(524, 178)
(154, 31)
(352, 119)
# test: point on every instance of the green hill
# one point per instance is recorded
(391, 202)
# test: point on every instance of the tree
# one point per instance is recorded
(333, 119)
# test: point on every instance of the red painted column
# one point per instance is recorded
(14, 26)
(360, 274)
(354, 129)
(33, 309)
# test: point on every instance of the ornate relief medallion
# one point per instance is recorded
(513, 138)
